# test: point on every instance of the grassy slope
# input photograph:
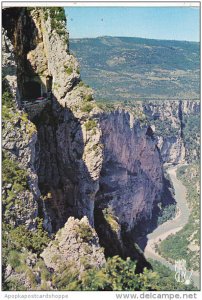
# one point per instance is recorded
(138, 68)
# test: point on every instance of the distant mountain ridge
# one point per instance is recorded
(129, 68)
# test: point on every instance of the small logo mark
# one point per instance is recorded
(181, 274)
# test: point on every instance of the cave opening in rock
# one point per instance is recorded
(49, 80)
(32, 90)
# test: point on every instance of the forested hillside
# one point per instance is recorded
(127, 68)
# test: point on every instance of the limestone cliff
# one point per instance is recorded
(175, 125)
(91, 175)
(68, 179)
(80, 159)
(18, 143)
(75, 139)
(77, 244)
(131, 175)
(171, 127)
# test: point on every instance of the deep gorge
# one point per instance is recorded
(104, 168)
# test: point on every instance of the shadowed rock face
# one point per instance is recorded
(131, 170)
(67, 170)
(131, 176)
(65, 181)
(79, 154)
(82, 163)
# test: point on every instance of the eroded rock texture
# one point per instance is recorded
(169, 118)
(77, 244)
(131, 175)
(81, 153)
(18, 144)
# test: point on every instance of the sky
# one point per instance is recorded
(169, 23)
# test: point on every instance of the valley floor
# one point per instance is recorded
(171, 226)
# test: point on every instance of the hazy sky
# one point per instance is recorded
(173, 23)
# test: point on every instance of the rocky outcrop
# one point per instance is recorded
(68, 165)
(9, 67)
(84, 166)
(169, 120)
(75, 244)
(131, 175)
(51, 55)
(76, 140)
(81, 154)
(165, 116)
(18, 143)
(190, 107)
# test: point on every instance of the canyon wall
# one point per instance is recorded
(19, 138)
(91, 175)
(131, 174)
(76, 140)
(170, 120)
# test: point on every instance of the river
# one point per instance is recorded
(171, 226)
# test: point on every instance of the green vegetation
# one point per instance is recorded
(18, 261)
(7, 99)
(69, 70)
(17, 238)
(90, 124)
(191, 136)
(111, 219)
(116, 274)
(30, 127)
(10, 112)
(15, 179)
(167, 213)
(81, 83)
(16, 242)
(57, 19)
(185, 243)
(56, 13)
(85, 232)
(88, 98)
(167, 281)
(121, 276)
(56, 86)
(137, 68)
(176, 247)
(14, 259)
(87, 107)
(8, 104)
(164, 128)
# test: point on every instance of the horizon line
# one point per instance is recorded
(139, 37)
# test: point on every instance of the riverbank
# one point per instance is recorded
(171, 226)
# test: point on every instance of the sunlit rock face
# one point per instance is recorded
(131, 175)
(170, 119)
(19, 138)
(75, 242)
(81, 155)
